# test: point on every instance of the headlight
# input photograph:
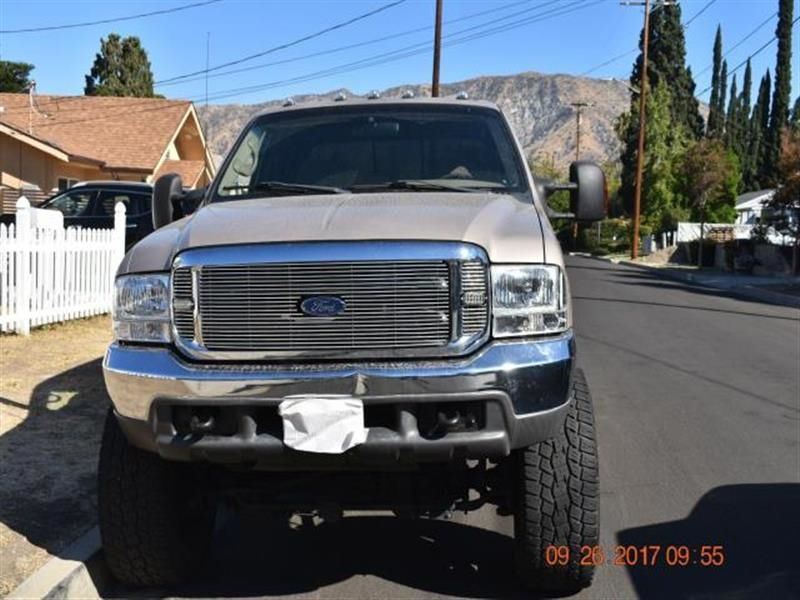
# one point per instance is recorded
(527, 300)
(141, 308)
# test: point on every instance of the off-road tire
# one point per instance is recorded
(557, 500)
(154, 523)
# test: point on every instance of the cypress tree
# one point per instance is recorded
(779, 115)
(666, 63)
(731, 119)
(759, 129)
(743, 124)
(713, 104)
(794, 122)
(722, 99)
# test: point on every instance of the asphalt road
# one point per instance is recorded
(698, 410)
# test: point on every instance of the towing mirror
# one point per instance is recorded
(167, 191)
(587, 192)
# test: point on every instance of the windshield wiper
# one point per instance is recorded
(409, 184)
(289, 188)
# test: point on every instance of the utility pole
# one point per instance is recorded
(637, 195)
(578, 106)
(437, 49)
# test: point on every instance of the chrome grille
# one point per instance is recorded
(388, 305)
(183, 309)
(474, 298)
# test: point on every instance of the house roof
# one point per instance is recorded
(753, 198)
(189, 170)
(119, 133)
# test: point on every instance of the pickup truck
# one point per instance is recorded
(368, 310)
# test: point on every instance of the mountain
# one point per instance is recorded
(536, 105)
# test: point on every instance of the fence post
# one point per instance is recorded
(120, 227)
(22, 286)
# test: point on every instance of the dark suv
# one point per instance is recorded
(91, 204)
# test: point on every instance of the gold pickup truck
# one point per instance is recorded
(367, 309)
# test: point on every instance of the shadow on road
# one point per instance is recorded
(48, 465)
(757, 526)
(257, 558)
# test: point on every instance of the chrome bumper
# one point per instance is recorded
(526, 381)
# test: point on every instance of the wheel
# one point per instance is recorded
(557, 501)
(154, 523)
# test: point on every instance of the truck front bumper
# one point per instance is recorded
(516, 393)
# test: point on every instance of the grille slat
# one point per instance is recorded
(388, 305)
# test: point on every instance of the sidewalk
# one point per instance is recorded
(783, 290)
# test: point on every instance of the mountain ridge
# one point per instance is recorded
(537, 106)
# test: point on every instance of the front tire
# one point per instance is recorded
(557, 501)
(154, 524)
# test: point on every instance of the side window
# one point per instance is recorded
(135, 203)
(72, 204)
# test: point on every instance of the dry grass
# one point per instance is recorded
(52, 405)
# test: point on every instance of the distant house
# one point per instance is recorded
(48, 143)
(749, 206)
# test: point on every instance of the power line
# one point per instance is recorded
(744, 62)
(685, 26)
(349, 67)
(740, 42)
(300, 40)
(394, 55)
(114, 20)
(351, 46)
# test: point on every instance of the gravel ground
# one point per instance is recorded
(52, 405)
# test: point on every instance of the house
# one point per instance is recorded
(48, 143)
(750, 204)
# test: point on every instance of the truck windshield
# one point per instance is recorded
(362, 149)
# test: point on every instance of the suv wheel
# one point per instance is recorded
(154, 523)
(557, 503)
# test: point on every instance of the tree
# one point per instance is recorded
(787, 197)
(15, 76)
(723, 96)
(713, 104)
(666, 63)
(759, 124)
(709, 176)
(794, 122)
(731, 119)
(781, 96)
(121, 68)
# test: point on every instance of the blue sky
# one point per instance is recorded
(573, 42)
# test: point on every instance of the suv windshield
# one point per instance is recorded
(373, 148)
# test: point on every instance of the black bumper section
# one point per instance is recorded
(399, 432)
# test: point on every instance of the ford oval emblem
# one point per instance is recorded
(323, 306)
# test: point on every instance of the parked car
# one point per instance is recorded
(91, 204)
(368, 310)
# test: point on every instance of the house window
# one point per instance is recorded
(64, 183)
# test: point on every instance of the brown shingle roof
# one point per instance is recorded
(189, 170)
(123, 133)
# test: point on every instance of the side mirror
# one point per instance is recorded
(167, 190)
(588, 198)
(587, 192)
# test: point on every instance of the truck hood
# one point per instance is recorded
(508, 229)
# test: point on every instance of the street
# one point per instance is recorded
(697, 402)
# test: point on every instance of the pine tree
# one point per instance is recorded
(121, 68)
(713, 105)
(779, 115)
(14, 76)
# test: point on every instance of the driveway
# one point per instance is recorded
(698, 409)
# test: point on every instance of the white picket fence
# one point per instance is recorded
(50, 274)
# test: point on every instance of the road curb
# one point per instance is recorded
(78, 572)
(743, 292)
